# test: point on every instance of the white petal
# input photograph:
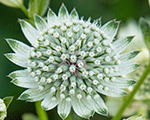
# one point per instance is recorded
(63, 13)
(19, 47)
(81, 107)
(48, 103)
(19, 73)
(64, 108)
(74, 14)
(109, 29)
(30, 32)
(18, 59)
(98, 105)
(33, 94)
(51, 17)
(121, 44)
(40, 23)
(26, 82)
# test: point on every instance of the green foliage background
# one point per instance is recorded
(10, 28)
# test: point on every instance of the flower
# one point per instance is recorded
(3, 110)
(136, 117)
(12, 3)
(70, 62)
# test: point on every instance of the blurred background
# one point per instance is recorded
(9, 28)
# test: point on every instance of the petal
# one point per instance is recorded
(48, 103)
(63, 12)
(64, 108)
(18, 47)
(30, 32)
(51, 17)
(128, 56)
(124, 69)
(112, 91)
(74, 14)
(33, 94)
(110, 29)
(98, 105)
(40, 23)
(26, 82)
(121, 44)
(120, 82)
(18, 59)
(82, 107)
(19, 73)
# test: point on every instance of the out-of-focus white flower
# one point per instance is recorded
(136, 117)
(70, 62)
(12, 3)
(3, 110)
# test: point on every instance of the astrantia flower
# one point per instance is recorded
(70, 62)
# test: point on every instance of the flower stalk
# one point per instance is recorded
(40, 112)
(130, 97)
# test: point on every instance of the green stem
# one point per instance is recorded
(23, 8)
(130, 97)
(40, 112)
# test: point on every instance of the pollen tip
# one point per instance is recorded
(7, 76)
(115, 19)
(100, 18)
(4, 54)
(6, 39)
(49, 8)
(19, 20)
(62, 4)
(74, 8)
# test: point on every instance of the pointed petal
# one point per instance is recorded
(128, 56)
(64, 108)
(51, 17)
(33, 94)
(19, 73)
(48, 103)
(112, 91)
(19, 47)
(63, 12)
(30, 32)
(110, 29)
(124, 69)
(98, 105)
(81, 107)
(18, 59)
(74, 14)
(121, 44)
(40, 23)
(26, 82)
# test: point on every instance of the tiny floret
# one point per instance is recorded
(70, 62)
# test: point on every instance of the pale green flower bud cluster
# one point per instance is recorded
(70, 62)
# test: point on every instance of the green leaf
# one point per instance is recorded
(29, 116)
(145, 28)
(8, 100)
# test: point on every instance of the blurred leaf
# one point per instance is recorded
(37, 7)
(8, 100)
(145, 28)
(136, 117)
(29, 116)
(12, 3)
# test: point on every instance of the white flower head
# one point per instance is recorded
(3, 110)
(78, 63)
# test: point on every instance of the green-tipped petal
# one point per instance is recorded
(74, 14)
(26, 82)
(34, 94)
(121, 44)
(19, 47)
(99, 105)
(51, 17)
(63, 12)
(64, 108)
(81, 107)
(128, 56)
(40, 23)
(48, 103)
(18, 59)
(110, 29)
(30, 32)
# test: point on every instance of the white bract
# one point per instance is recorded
(71, 62)
(3, 110)
(12, 3)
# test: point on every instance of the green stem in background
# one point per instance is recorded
(23, 8)
(40, 112)
(130, 97)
